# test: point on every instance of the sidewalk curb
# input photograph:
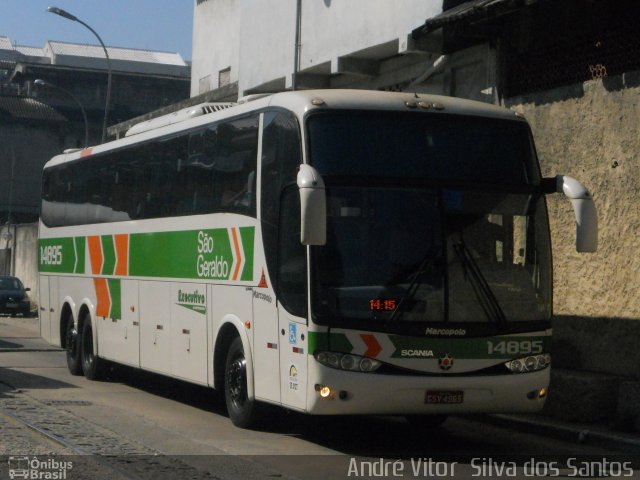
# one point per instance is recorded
(31, 350)
(582, 434)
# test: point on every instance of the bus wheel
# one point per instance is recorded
(92, 366)
(241, 410)
(426, 422)
(73, 351)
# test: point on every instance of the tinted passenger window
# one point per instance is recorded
(207, 171)
(220, 171)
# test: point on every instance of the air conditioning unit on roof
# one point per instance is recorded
(179, 116)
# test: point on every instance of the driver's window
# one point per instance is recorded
(292, 259)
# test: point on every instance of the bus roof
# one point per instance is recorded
(300, 102)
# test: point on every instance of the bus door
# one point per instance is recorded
(286, 327)
(130, 324)
(292, 302)
(293, 360)
(49, 311)
(44, 305)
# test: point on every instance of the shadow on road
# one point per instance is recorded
(17, 379)
(10, 345)
(196, 396)
(352, 435)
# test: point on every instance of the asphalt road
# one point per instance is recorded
(140, 416)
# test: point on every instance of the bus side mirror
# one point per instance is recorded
(584, 208)
(313, 206)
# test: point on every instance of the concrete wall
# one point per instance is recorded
(24, 258)
(590, 131)
(28, 149)
(257, 38)
(266, 42)
(216, 43)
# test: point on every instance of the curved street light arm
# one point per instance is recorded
(68, 16)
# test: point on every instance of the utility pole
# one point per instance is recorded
(296, 60)
(7, 235)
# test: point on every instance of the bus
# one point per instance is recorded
(334, 252)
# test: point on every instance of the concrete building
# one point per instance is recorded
(364, 44)
(342, 43)
(37, 123)
(572, 67)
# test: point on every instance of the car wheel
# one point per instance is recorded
(242, 410)
(72, 341)
(92, 365)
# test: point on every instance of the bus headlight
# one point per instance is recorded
(532, 363)
(347, 361)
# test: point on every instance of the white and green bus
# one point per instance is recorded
(332, 252)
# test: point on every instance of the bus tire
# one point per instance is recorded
(92, 365)
(72, 340)
(242, 410)
(426, 422)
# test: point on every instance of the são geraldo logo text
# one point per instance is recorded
(218, 267)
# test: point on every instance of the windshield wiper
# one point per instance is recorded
(481, 288)
(414, 285)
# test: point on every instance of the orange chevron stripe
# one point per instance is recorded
(102, 294)
(95, 254)
(236, 246)
(122, 254)
(373, 347)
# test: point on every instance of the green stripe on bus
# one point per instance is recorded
(501, 347)
(335, 342)
(197, 254)
(202, 309)
(115, 293)
(57, 255)
(416, 348)
(247, 235)
(193, 254)
(109, 254)
(79, 243)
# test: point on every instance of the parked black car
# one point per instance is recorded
(13, 297)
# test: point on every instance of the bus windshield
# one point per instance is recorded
(401, 256)
(428, 146)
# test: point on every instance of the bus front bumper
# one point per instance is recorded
(354, 393)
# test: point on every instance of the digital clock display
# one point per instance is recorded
(382, 304)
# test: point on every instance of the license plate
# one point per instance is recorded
(444, 396)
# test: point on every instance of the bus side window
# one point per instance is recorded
(234, 159)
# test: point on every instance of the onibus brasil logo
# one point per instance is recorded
(51, 469)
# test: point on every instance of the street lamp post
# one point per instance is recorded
(68, 16)
(42, 83)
